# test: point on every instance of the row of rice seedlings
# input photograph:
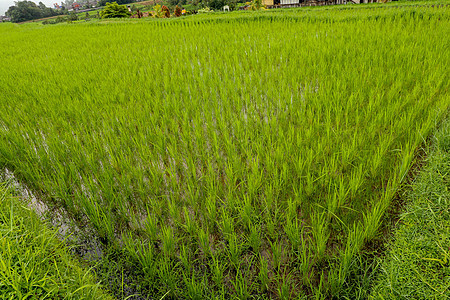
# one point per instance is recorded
(229, 159)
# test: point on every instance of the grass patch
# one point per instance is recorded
(34, 263)
(418, 261)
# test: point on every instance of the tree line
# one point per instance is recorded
(27, 10)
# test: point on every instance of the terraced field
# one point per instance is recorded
(231, 155)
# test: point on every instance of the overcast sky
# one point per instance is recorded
(5, 4)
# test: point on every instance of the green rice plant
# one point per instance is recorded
(168, 241)
(294, 232)
(241, 285)
(194, 289)
(226, 225)
(168, 276)
(282, 134)
(304, 257)
(218, 268)
(185, 258)
(146, 256)
(254, 239)
(284, 292)
(320, 233)
(263, 274)
(151, 226)
(234, 251)
(203, 241)
(277, 255)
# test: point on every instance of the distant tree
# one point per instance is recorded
(72, 17)
(114, 10)
(103, 2)
(23, 11)
(217, 4)
(256, 4)
(232, 4)
(27, 10)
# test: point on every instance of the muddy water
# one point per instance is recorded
(121, 280)
(86, 245)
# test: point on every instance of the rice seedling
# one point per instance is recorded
(227, 155)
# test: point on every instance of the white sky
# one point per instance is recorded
(5, 4)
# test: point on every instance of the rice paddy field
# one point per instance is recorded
(241, 155)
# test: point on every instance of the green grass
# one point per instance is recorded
(228, 155)
(417, 263)
(34, 262)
